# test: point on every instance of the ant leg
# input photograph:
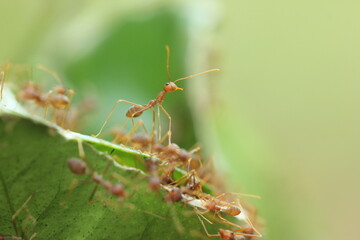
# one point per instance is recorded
(29, 220)
(112, 111)
(21, 208)
(184, 177)
(153, 129)
(48, 95)
(125, 123)
(97, 184)
(46, 111)
(51, 72)
(71, 95)
(137, 125)
(239, 194)
(202, 215)
(83, 156)
(72, 186)
(207, 233)
(168, 115)
(118, 137)
(32, 236)
(120, 179)
(246, 234)
(90, 173)
(24, 206)
(259, 235)
(159, 124)
(133, 130)
(227, 221)
(133, 123)
(154, 215)
(142, 124)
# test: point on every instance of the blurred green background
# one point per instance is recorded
(280, 120)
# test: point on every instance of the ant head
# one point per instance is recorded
(60, 89)
(171, 87)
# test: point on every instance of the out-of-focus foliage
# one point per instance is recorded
(286, 113)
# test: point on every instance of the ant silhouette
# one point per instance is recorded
(137, 110)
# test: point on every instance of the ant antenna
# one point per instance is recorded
(259, 235)
(168, 61)
(51, 72)
(191, 76)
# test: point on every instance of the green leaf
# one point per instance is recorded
(34, 171)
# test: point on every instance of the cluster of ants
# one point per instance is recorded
(187, 188)
(163, 159)
(58, 98)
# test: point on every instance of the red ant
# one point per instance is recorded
(175, 195)
(79, 167)
(32, 92)
(193, 187)
(141, 141)
(59, 98)
(156, 178)
(137, 110)
(173, 154)
(232, 234)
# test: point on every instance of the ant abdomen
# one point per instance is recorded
(174, 195)
(77, 166)
(232, 210)
(59, 101)
(134, 112)
(141, 140)
(118, 190)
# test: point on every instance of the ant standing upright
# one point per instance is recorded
(137, 110)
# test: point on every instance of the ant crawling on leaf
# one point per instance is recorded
(137, 110)
(81, 166)
(229, 234)
(193, 187)
(59, 98)
(139, 140)
(239, 234)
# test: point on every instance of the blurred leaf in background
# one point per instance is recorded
(286, 113)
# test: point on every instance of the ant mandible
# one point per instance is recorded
(136, 110)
